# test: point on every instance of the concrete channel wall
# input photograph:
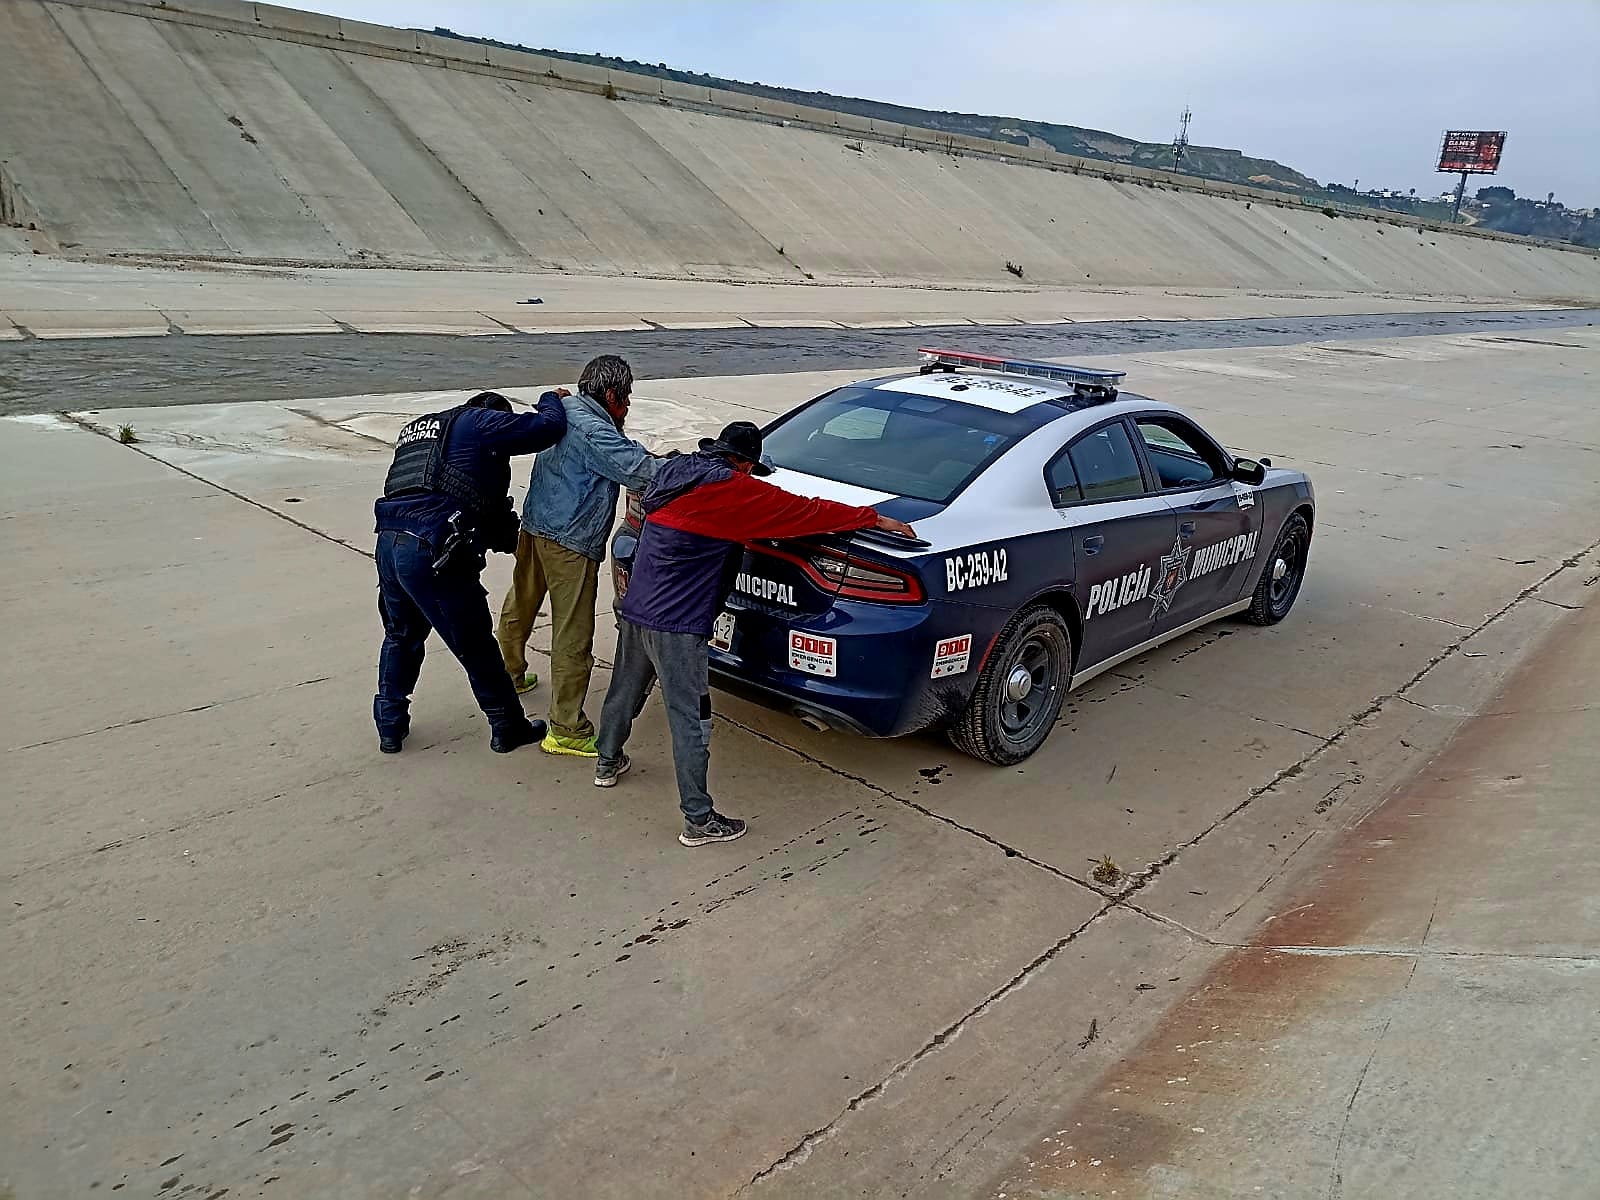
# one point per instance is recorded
(241, 131)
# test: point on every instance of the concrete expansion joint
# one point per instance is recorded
(91, 427)
(1410, 953)
(319, 419)
(200, 819)
(1160, 919)
(512, 329)
(802, 1149)
(1009, 851)
(1438, 620)
(177, 712)
(1419, 952)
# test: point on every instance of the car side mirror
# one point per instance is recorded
(1247, 470)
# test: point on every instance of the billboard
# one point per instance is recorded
(1473, 151)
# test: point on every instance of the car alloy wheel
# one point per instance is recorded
(1019, 694)
(1284, 573)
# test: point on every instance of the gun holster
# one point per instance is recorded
(457, 542)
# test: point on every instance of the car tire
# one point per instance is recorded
(1002, 723)
(1284, 573)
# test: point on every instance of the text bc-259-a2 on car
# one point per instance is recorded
(1064, 526)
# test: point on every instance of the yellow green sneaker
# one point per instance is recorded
(527, 683)
(577, 747)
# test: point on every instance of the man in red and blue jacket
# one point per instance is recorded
(699, 512)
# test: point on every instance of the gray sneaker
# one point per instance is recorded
(607, 775)
(715, 828)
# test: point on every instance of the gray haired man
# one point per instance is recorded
(568, 513)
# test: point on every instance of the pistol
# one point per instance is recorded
(452, 544)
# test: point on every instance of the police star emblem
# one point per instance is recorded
(1174, 573)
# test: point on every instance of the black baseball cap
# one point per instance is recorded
(741, 440)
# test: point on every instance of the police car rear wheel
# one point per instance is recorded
(1018, 697)
(1286, 569)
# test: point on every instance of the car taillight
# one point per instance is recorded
(850, 577)
(634, 512)
(859, 580)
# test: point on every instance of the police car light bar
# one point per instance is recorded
(1085, 380)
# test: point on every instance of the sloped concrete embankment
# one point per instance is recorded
(232, 130)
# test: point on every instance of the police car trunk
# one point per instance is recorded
(812, 624)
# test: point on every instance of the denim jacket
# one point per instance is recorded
(572, 493)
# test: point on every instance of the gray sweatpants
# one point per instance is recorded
(678, 660)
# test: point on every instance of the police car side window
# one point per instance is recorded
(1062, 481)
(1105, 464)
(1181, 456)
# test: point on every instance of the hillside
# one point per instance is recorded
(1207, 162)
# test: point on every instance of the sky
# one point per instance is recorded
(1343, 90)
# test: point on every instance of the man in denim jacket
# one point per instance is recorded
(566, 519)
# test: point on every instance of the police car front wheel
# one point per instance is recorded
(1019, 694)
(1285, 570)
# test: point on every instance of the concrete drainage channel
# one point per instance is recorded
(479, 970)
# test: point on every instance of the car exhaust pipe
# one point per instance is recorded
(815, 724)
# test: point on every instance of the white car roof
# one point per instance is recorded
(1002, 393)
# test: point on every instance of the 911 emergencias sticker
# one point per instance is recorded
(812, 654)
(952, 656)
(978, 569)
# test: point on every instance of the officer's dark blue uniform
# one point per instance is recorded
(452, 472)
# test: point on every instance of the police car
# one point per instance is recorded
(1064, 526)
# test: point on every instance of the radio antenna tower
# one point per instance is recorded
(1181, 142)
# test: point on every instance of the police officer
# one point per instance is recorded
(446, 501)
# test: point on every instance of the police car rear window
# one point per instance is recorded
(919, 446)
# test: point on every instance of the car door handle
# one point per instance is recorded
(1093, 545)
(1186, 529)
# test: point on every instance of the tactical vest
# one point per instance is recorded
(419, 466)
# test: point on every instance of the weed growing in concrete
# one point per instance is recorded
(126, 435)
(1107, 872)
(609, 92)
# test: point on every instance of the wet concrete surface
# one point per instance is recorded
(42, 376)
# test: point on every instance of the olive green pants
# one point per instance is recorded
(545, 568)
